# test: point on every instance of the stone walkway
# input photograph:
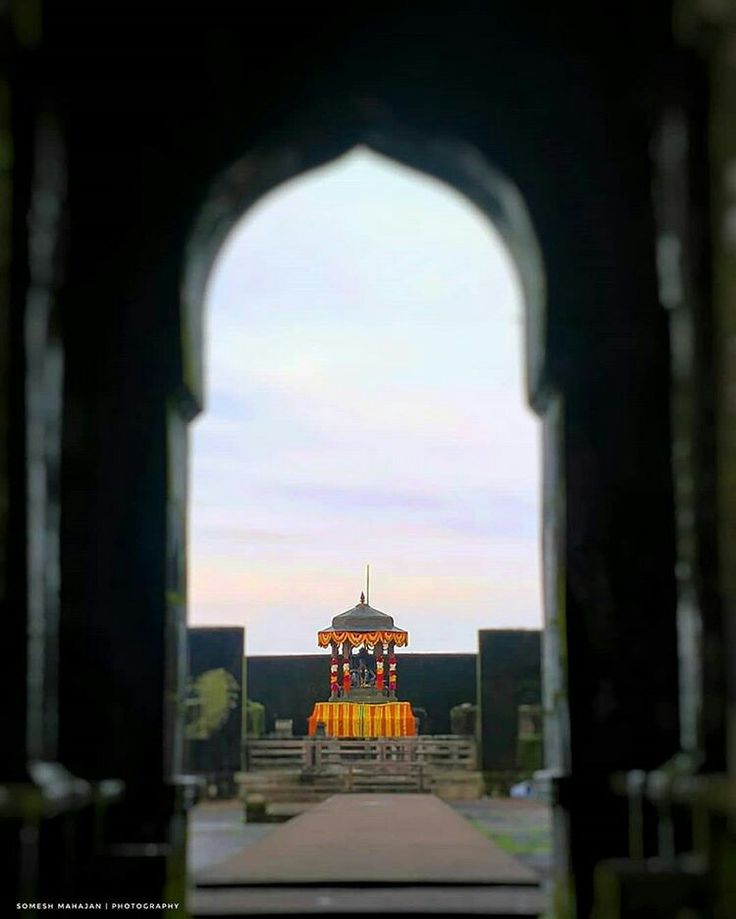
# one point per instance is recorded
(372, 839)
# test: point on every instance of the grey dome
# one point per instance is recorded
(362, 618)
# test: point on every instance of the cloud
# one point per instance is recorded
(359, 498)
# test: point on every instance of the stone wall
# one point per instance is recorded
(214, 699)
(509, 675)
(289, 685)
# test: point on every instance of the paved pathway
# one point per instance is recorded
(372, 839)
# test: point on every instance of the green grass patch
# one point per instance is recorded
(535, 841)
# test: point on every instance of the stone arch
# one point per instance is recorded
(562, 125)
(449, 159)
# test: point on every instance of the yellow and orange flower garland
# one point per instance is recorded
(363, 639)
(334, 683)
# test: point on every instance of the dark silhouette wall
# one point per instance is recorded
(509, 675)
(290, 685)
(214, 725)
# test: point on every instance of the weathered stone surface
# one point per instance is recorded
(373, 839)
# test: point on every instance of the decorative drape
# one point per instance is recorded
(361, 719)
(368, 639)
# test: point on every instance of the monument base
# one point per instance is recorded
(363, 719)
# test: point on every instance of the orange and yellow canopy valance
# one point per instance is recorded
(396, 637)
(364, 719)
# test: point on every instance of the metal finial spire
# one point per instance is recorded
(362, 597)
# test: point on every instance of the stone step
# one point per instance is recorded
(275, 785)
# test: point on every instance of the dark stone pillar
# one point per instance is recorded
(40, 799)
(15, 190)
(610, 635)
(123, 628)
(719, 652)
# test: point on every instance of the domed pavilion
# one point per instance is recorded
(363, 677)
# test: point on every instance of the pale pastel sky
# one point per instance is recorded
(364, 404)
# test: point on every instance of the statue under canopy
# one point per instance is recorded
(363, 675)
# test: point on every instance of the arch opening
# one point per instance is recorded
(454, 165)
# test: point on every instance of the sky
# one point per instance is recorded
(364, 405)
